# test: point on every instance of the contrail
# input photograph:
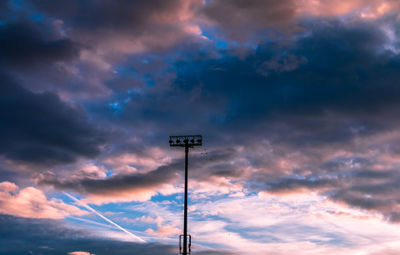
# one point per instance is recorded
(92, 222)
(104, 217)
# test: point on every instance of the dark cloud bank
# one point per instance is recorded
(152, 180)
(338, 68)
(39, 128)
(49, 237)
(26, 44)
(52, 237)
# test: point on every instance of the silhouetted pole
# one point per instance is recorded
(187, 141)
(186, 199)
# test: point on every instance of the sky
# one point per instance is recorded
(297, 101)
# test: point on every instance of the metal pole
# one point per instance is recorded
(187, 141)
(186, 199)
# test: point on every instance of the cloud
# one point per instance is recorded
(41, 129)
(352, 181)
(240, 19)
(30, 202)
(164, 231)
(76, 56)
(321, 124)
(80, 253)
(26, 44)
(136, 186)
(360, 8)
(49, 237)
(360, 176)
(308, 222)
(339, 54)
(298, 185)
(246, 21)
(133, 27)
(212, 252)
(141, 185)
(125, 27)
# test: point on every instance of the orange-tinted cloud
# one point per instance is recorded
(361, 8)
(80, 253)
(30, 202)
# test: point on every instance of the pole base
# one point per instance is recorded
(189, 242)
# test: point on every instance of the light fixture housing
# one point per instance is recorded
(185, 140)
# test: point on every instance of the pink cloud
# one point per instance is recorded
(80, 253)
(146, 161)
(362, 8)
(30, 202)
(164, 231)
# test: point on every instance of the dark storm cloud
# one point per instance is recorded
(374, 191)
(131, 15)
(41, 129)
(25, 44)
(337, 77)
(96, 35)
(48, 237)
(365, 202)
(138, 182)
(115, 184)
(127, 26)
(28, 236)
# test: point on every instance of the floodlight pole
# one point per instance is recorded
(186, 199)
(188, 141)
